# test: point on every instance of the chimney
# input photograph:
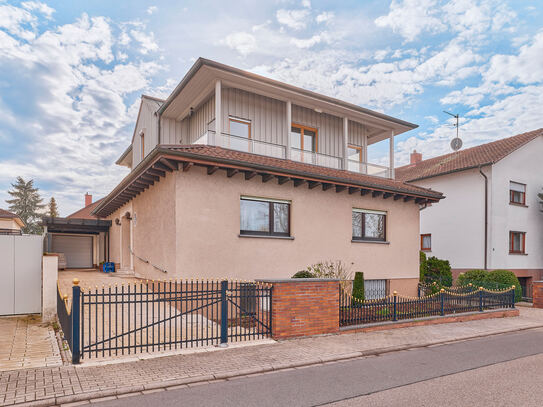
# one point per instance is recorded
(88, 199)
(415, 157)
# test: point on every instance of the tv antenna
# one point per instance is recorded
(456, 143)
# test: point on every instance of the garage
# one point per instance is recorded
(76, 249)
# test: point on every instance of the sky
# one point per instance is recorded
(72, 73)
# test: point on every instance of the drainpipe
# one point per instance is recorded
(158, 114)
(486, 216)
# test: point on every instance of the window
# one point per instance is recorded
(262, 217)
(426, 242)
(354, 155)
(517, 242)
(369, 225)
(240, 129)
(517, 193)
(142, 143)
(303, 138)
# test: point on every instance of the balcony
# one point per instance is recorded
(232, 142)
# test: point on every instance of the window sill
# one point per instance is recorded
(368, 241)
(518, 254)
(268, 237)
(426, 250)
(518, 204)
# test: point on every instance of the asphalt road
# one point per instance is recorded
(498, 370)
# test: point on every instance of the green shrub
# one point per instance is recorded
(439, 271)
(358, 286)
(507, 278)
(475, 277)
(422, 264)
(303, 274)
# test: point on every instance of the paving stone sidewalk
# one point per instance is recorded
(65, 384)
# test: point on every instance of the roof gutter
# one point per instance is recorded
(450, 172)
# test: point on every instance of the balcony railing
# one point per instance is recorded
(369, 169)
(242, 144)
(278, 151)
(310, 157)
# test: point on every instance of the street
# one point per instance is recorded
(492, 371)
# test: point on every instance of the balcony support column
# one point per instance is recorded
(345, 143)
(391, 154)
(289, 124)
(218, 113)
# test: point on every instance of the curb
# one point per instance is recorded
(176, 383)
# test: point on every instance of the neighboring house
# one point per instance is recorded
(10, 223)
(81, 237)
(280, 181)
(491, 216)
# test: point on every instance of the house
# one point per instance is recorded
(81, 237)
(491, 218)
(10, 223)
(240, 176)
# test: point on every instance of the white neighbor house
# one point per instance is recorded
(503, 230)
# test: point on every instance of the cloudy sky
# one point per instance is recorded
(71, 73)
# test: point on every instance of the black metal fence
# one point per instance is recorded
(164, 315)
(427, 289)
(396, 307)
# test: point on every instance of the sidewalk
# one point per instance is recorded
(67, 384)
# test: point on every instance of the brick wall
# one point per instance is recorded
(304, 307)
(538, 294)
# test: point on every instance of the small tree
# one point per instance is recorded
(26, 203)
(422, 266)
(53, 208)
(438, 271)
(358, 286)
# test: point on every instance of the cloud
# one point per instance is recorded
(77, 116)
(146, 40)
(324, 17)
(38, 6)
(295, 19)
(242, 42)
(151, 10)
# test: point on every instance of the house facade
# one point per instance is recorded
(491, 217)
(10, 223)
(278, 182)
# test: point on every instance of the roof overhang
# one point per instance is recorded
(76, 225)
(163, 160)
(126, 158)
(199, 82)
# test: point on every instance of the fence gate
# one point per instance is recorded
(20, 274)
(162, 315)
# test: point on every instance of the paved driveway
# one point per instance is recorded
(26, 342)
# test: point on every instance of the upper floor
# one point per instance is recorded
(265, 117)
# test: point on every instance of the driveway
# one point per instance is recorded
(26, 342)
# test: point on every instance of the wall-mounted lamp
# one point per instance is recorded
(117, 221)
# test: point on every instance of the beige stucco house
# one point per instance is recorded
(10, 223)
(240, 176)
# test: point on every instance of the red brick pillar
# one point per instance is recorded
(304, 307)
(537, 289)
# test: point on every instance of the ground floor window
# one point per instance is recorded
(369, 225)
(264, 217)
(517, 242)
(426, 242)
(375, 289)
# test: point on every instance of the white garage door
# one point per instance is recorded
(77, 249)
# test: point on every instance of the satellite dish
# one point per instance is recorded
(456, 144)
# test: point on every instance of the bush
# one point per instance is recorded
(506, 278)
(475, 277)
(330, 269)
(422, 264)
(303, 274)
(437, 270)
(358, 286)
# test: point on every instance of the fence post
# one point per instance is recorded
(418, 290)
(481, 299)
(224, 314)
(395, 316)
(442, 295)
(513, 297)
(76, 312)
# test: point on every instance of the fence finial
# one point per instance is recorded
(442, 290)
(75, 281)
(513, 286)
(395, 293)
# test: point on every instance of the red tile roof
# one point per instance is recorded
(484, 154)
(303, 169)
(7, 214)
(85, 213)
